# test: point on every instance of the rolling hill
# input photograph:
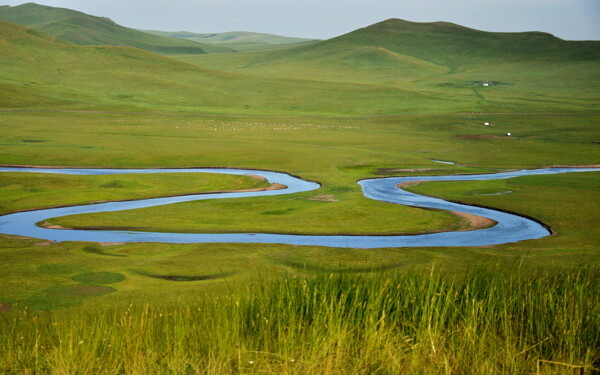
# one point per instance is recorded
(453, 45)
(364, 73)
(84, 29)
(416, 49)
(42, 72)
(241, 41)
(436, 57)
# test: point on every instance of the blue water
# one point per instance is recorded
(510, 228)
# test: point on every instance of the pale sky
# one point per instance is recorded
(322, 19)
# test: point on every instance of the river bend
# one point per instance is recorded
(510, 227)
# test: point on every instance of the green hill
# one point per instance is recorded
(437, 57)
(84, 29)
(409, 48)
(242, 41)
(39, 71)
(454, 45)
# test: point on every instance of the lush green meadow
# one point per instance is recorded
(334, 152)
(23, 191)
(372, 103)
(87, 292)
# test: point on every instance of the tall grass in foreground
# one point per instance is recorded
(496, 321)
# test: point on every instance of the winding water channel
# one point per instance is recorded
(510, 227)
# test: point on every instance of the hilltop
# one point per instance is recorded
(84, 29)
(240, 41)
(453, 45)
(422, 48)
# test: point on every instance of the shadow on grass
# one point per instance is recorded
(171, 277)
(98, 251)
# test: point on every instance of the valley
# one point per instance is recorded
(391, 99)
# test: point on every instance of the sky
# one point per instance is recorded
(322, 19)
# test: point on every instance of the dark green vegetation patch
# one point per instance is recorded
(173, 277)
(62, 296)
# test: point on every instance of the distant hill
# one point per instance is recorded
(408, 48)
(84, 29)
(437, 57)
(41, 72)
(449, 44)
(238, 40)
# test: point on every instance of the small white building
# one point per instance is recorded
(508, 134)
(485, 84)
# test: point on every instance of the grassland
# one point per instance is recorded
(42, 73)
(22, 191)
(521, 67)
(334, 152)
(527, 307)
(84, 29)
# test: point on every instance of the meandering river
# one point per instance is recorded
(510, 227)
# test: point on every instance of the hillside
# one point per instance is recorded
(454, 45)
(84, 29)
(241, 41)
(38, 71)
(436, 57)
(422, 49)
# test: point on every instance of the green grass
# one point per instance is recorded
(299, 214)
(21, 191)
(40, 73)
(84, 29)
(488, 320)
(334, 152)
(356, 215)
(525, 67)
(375, 311)
(560, 205)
